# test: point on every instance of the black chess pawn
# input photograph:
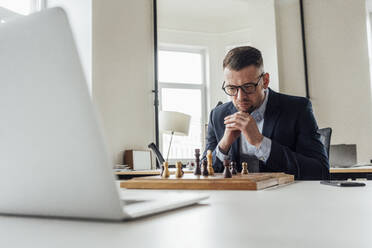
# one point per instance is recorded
(233, 168)
(205, 168)
(197, 170)
(226, 171)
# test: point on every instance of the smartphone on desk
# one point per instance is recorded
(343, 183)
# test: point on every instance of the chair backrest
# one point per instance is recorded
(325, 137)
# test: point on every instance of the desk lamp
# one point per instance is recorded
(175, 123)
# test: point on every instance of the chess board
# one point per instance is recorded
(252, 181)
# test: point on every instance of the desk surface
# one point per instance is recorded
(303, 214)
(361, 169)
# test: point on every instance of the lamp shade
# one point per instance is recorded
(170, 121)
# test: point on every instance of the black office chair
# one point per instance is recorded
(325, 137)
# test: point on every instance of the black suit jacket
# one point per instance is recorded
(290, 124)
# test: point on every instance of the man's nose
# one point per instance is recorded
(241, 94)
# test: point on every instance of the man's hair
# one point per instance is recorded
(240, 57)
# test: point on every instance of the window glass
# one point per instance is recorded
(188, 101)
(180, 67)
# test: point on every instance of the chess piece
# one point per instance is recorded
(197, 170)
(166, 172)
(179, 172)
(210, 167)
(190, 165)
(244, 168)
(233, 168)
(226, 171)
(205, 168)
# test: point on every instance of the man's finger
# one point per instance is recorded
(243, 115)
(231, 121)
(232, 126)
(234, 119)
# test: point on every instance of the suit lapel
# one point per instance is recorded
(271, 114)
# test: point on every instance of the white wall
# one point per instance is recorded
(123, 73)
(80, 17)
(338, 66)
(289, 47)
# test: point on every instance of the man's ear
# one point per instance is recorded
(266, 80)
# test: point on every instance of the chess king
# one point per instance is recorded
(271, 131)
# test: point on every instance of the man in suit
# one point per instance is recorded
(273, 132)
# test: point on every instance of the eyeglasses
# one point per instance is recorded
(247, 88)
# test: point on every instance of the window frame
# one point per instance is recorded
(39, 5)
(173, 85)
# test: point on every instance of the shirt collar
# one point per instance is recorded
(258, 114)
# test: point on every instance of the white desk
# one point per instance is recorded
(304, 214)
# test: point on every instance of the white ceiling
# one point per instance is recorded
(210, 16)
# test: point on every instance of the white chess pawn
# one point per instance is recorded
(245, 168)
(166, 172)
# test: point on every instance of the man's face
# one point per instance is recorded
(242, 101)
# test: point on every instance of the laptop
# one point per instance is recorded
(343, 155)
(53, 157)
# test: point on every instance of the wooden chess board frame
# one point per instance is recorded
(251, 181)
